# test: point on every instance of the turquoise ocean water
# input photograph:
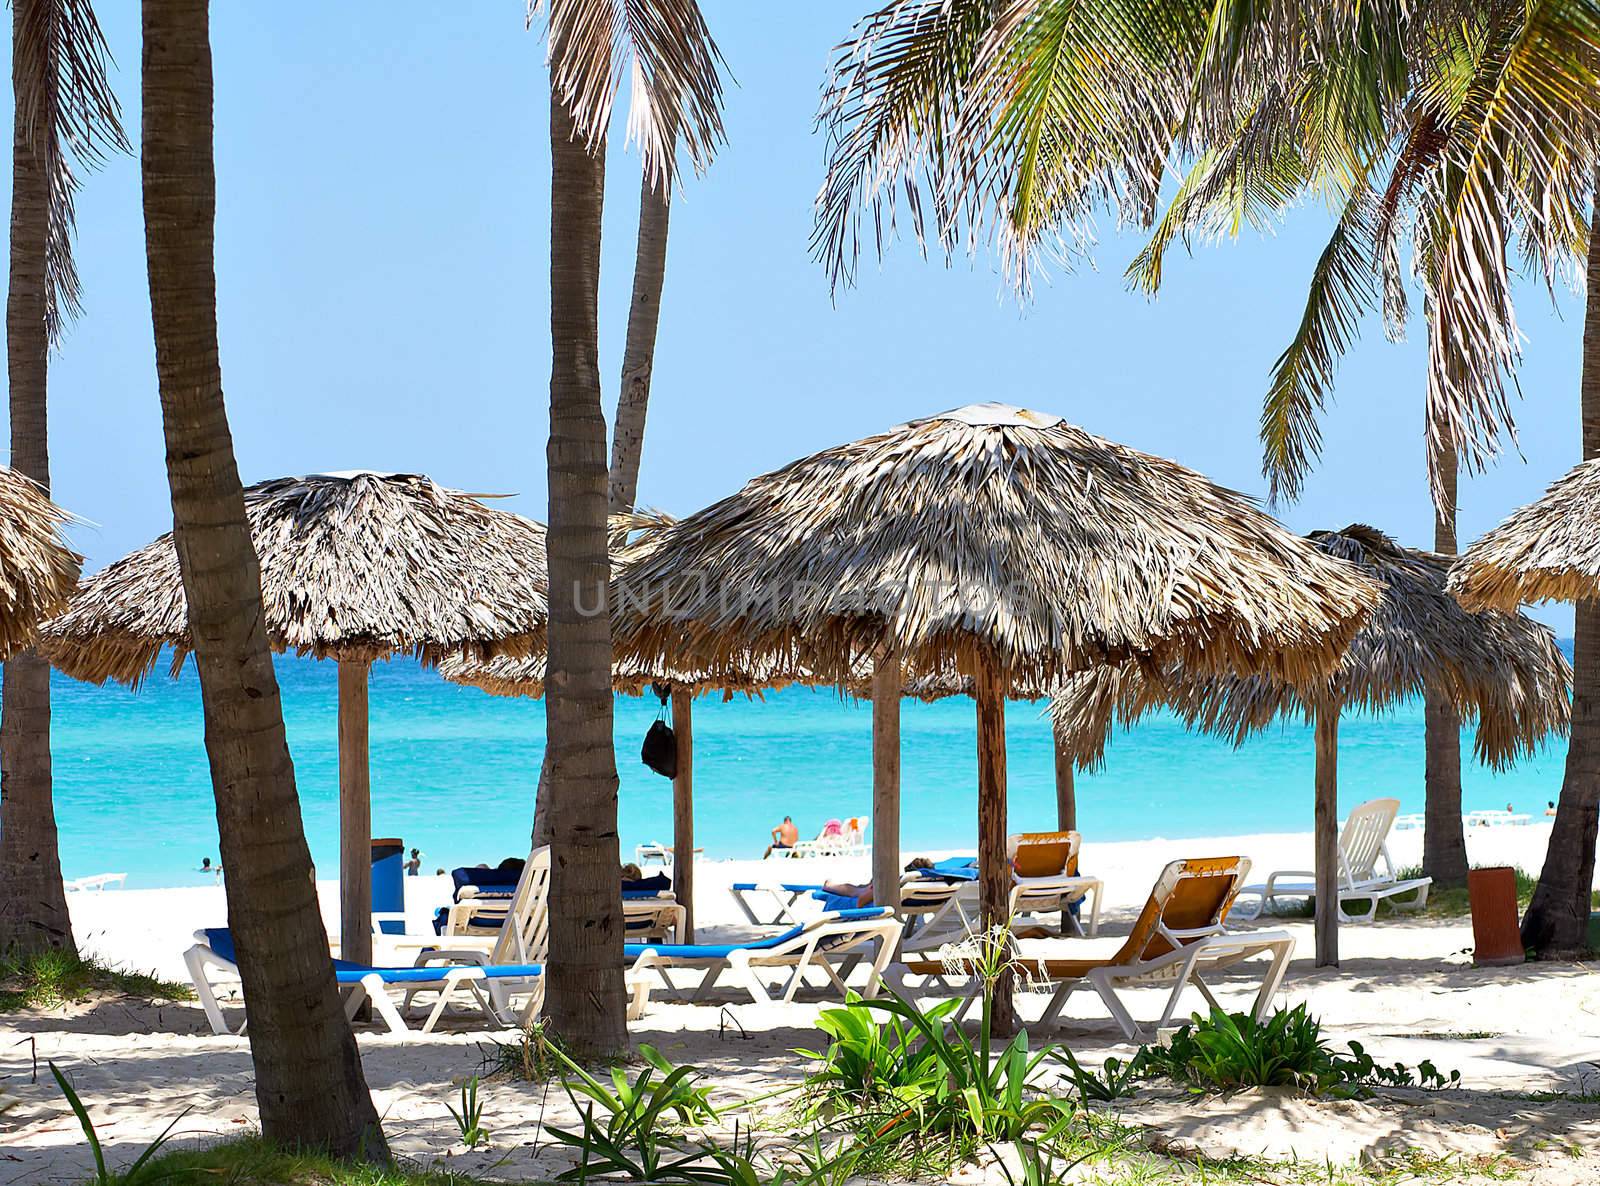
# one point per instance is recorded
(454, 771)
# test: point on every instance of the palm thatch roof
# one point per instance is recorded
(353, 566)
(523, 675)
(1501, 669)
(37, 570)
(986, 530)
(1548, 550)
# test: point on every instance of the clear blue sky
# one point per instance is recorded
(382, 234)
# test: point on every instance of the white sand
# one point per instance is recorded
(1406, 989)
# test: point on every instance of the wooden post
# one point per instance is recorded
(886, 681)
(994, 872)
(683, 810)
(1066, 787)
(355, 816)
(1327, 835)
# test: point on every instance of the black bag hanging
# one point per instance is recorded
(660, 749)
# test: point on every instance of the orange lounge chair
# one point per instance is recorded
(1045, 877)
(1178, 935)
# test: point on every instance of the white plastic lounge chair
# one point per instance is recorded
(661, 854)
(1494, 818)
(652, 916)
(97, 883)
(1046, 880)
(1362, 845)
(923, 894)
(1178, 936)
(835, 938)
(494, 979)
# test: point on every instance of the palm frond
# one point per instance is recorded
(1343, 288)
(1511, 164)
(673, 68)
(71, 119)
(888, 108)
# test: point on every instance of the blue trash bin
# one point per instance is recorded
(389, 882)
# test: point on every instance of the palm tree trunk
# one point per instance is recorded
(1558, 917)
(1444, 841)
(33, 903)
(1066, 781)
(639, 350)
(309, 1084)
(633, 400)
(585, 1000)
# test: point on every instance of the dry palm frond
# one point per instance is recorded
(71, 116)
(359, 566)
(986, 534)
(512, 675)
(1548, 550)
(673, 67)
(37, 570)
(1502, 670)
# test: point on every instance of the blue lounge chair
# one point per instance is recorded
(495, 976)
(838, 937)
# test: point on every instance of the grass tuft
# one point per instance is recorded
(253, 1162)
(50, 978)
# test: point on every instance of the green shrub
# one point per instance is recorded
(1229, 1051)
(903, 1070)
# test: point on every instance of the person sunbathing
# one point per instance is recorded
(862, 892)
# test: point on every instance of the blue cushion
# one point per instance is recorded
(792, 887)
(646, 886)
(220, 940)
(486, 878)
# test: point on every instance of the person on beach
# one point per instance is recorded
(1550, 807)
(785, 835)
(862, 892)
(414, 865)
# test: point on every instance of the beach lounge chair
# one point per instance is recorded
(1177, 937)
(98, 883)
(1494, 818)
(661, 854)
(1046, 880)
(494, 979)
(834, 940)
(1362, 845)
(830, 842)
(924, 893)
(650, 910)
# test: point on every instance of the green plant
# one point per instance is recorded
(1115, 1081)
(628, 1137)
(135, 1173)
(470, 1118)
(1228, 1051)
(920, 1074)
(44, 979)
(531, 1057)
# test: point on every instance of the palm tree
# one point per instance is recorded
(1472, 129)
(65, 113)
(677, 87)
(309, 1083)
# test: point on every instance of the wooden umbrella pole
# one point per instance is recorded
(1327, 834)
(886, 684)
(355, 815)
(994, 871)
(683, 810)
(1066, 784)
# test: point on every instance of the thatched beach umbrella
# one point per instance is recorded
(991, 543)
(37, 570)
(1501, 669)
(1549, 550)
(355, 567)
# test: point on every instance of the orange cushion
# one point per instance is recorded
(1042, 854)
